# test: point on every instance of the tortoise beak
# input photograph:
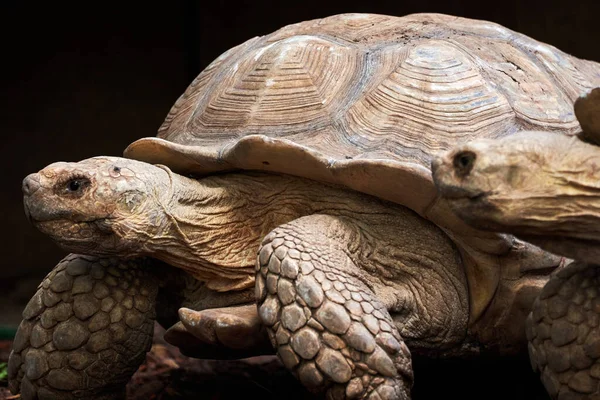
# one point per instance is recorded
(27, 213)
(31, 184)
(444, 178)
(448, 181)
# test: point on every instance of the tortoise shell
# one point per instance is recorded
(365, 101)
(330, 98)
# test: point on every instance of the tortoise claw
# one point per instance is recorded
(220, 333)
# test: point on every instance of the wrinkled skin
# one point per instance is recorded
(342, 279)
(543, 188)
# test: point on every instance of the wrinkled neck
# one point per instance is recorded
(213, 226)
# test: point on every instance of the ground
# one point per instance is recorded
(168, 375)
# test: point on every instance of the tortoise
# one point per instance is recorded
(289, 191)
(543, 188)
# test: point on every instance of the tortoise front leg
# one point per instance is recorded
(564, 333)
(85, 331)
(328, 327)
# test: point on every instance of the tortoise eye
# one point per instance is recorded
(76, 185)
(463, 162)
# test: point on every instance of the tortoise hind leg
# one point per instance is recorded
(564, 333)
(85, 331)
(327, 326)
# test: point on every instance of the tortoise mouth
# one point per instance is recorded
(84, 237)
(38, 212)
(454, 192)
(75, 235)
(450, 186)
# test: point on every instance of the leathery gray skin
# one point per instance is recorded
(543, 188)
(343, 281)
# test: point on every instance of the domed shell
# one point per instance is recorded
(365, 101)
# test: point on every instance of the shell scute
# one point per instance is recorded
(434, 97)
(294, 84)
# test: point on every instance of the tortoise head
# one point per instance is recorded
(489, 183)
(543, 187)
(101, 206)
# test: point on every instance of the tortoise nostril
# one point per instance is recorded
(463, 162)
(31, 183)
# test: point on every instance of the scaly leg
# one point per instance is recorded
(564, 333)
(328, 327)
(85, 331)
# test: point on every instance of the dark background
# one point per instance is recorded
(86, 80)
